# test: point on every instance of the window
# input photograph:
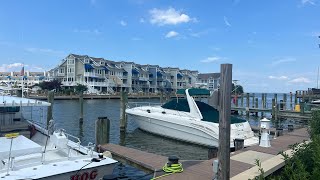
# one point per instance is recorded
(70, 61)
(61, 70)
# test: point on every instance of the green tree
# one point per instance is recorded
(237, 89)
(81, 88)
(50, 85)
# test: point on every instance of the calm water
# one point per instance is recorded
(66, 116)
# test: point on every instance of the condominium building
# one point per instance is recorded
(106, 76)
(208, 80)
(10, 80)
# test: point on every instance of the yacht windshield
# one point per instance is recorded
(209, 113)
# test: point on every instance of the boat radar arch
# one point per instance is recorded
(194, 110)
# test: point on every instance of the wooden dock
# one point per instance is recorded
(241, 162)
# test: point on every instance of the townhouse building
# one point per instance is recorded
(107, 76)
(102, 75)
(208, 80)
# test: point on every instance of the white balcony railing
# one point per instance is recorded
(92, 74)
(143, 79)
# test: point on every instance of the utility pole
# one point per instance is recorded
(224, 122)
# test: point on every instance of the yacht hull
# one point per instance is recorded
(187, 129)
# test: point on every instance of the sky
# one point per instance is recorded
(273, 45)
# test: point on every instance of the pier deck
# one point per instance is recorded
(241, 162)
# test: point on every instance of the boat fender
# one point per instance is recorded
(32, 130)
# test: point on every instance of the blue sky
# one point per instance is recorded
(272, 44)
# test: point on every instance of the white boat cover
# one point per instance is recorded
(6, 101)
(20, 146)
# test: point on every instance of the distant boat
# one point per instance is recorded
(316, 101)
(189, 120)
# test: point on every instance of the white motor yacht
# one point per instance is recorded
(48, 154)
(189, 120)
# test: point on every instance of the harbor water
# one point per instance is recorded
(66, 114)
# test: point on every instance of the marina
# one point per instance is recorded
(242, 164)
(159, 90)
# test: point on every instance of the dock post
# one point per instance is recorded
(296, 98)
(238, 144)
(291, 101)
(161, 97)
(303, 96)
(256, 106)
(253, 100)
(224, 121)
(262, 103)
(276, 98)
(248, 104)
(273, 108)
(50, 108)
(81, 107)
(123, 105)
(284, 101)
(242, 102)
(102, 131)
(212, 152)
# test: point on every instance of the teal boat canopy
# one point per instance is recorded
(209, 113)
(195, 92)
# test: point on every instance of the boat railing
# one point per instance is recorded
(141, 104)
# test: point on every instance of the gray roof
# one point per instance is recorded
(209, 75)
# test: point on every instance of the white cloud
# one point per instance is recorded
(41, 50)
(123, 23)
(142, 20)
(168, 16)
(88, 31)
(172, 34)
(226, 22)
(305, 2)
(211, 59)
(201, 33)
(283, 60)
(300, 80)
(315, 34)
(16, 67)
(278, 77)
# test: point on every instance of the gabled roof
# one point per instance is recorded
(209, 75)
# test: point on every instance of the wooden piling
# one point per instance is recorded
(303, 96)
(273, 108)
(238, 144)
(248, 104)
(253, 99)
(291, 106)
(123, 105)
(224, 121)
(50, 108)
(161, 97)
(81, 107)
(296, 98)
(284, 101)
(242, 102)
(256, 105)
(276, 98)
(262, 103)
(102, 131)
(212, 152)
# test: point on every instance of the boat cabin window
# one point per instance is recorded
(209, 113)
(9, 109)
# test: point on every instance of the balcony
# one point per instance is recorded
(92, 74)
(61, 74)
(143, 79)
